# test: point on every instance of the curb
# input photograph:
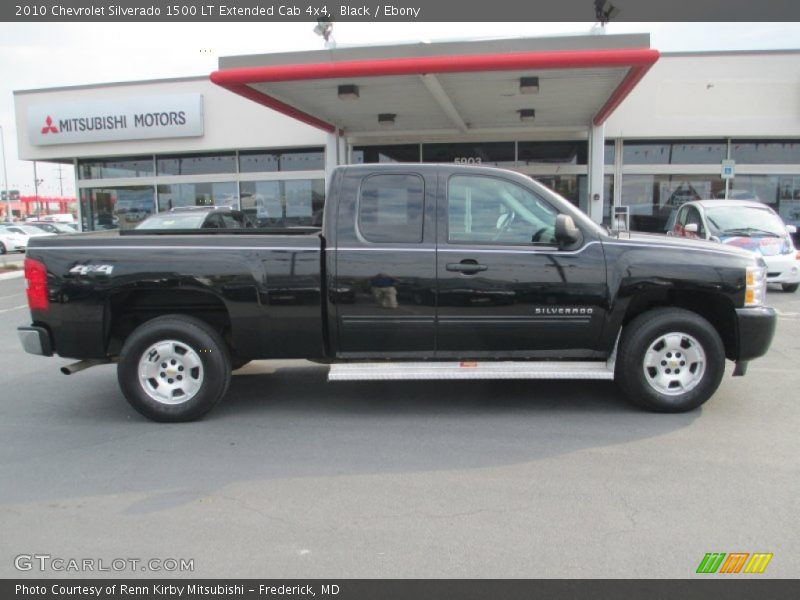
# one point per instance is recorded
(12, 275)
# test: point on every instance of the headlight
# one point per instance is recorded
(756, 286)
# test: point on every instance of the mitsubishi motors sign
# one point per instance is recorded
(130, 118)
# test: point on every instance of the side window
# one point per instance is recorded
(693, 218)
(489, 210)
(213, 222)
(231, 221)
(680, 221)
(391, 208)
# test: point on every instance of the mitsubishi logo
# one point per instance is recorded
(48, 126)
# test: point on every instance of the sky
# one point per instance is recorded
(42, 55)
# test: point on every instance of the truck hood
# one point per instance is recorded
(666, 241)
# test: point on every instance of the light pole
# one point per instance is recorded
(37, 181)
(5, 175)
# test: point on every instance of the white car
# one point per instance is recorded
(746, 224)
(58, 218)
(10, 242)
(15, 237)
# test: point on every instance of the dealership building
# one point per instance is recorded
(619, 129)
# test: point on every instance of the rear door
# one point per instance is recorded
(505, 287)
(383, 293)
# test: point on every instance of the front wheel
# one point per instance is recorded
(790, 287)
(2, 248)
(174, 368)
(670, 360)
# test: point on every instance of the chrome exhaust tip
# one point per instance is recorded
(82, 365)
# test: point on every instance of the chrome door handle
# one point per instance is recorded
(466, 266)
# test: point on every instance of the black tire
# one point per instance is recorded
(192, 335)
(2, 248)
(790, 287)
(649, 329)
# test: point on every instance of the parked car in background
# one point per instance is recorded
(54, 227)
(746, 224)
(10, 242)
(58, 218)
(197, 217)
(19, 235)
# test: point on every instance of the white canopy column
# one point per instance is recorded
(597, 143)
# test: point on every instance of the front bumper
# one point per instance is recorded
(35, 340)
(756, 328)
(783, 269)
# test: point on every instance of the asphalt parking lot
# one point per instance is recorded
(295, 477)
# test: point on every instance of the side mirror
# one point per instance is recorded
(791, 229)
(566, 231)
(691, 228)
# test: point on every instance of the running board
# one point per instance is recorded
(392, 371)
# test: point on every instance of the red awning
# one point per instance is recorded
(466, 92)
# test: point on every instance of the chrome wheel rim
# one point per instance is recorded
(674, 363)
(170, 372)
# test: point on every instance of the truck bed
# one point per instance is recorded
(268, 287)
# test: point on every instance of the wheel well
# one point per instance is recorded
(128, 310)
(716, 309)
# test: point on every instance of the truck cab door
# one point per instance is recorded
(382, 296)
(506, 288)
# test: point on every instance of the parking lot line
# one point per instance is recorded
(5, 310)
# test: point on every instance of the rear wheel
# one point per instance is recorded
(174, 368)
(790, 287)
(2, 248)
(670, 360)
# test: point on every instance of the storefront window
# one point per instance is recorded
(610, 153)
(562, 153)
(779, 192)
(761, 152)
(686, 152)
(573, 187)
(116, 208)
(652, 198)
(386, 154)
(293, 202)
(473, 153)
(302, 159)
(197, 194)
(197, 164)
(608, 198)
(107, 168)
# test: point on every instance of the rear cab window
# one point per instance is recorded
(391, 208)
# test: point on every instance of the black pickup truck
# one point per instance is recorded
(418, 272)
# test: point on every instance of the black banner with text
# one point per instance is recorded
(400, 10)
(397, 589)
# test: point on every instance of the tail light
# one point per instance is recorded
(36, 277)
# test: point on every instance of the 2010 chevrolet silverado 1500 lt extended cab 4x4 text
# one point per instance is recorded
(419, 272)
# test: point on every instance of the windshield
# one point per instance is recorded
(744, 221)
(188, 220)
